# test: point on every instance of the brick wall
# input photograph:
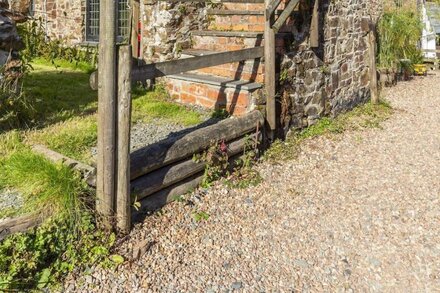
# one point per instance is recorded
(333, 78)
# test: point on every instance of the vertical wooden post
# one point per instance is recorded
(105, 180)
(314, 26)
(373, 71)
(269, 70)
(123, 201)
(135, 27)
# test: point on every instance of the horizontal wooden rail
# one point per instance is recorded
(284, 15)
(164, 177)
(160, 69)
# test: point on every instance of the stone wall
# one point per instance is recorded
(333, 78)
(165, 26)
(62, 19)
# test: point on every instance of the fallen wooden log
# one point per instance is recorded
(88, 172)
(19, 224)
(168, 175)
(152, 157)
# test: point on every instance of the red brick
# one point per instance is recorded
(195, 89)
(207, 103)
(187, 98)
(218, 95)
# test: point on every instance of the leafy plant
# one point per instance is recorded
(399, 32)
(37, 44)
(200, 215)
(217, 162)
(39, 258)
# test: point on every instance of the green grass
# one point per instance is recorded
(45, 186)
(364, 116)
(152, 105)
(72, 138)
(64, 64)
(60, 94)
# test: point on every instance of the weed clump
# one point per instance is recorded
(366, 116)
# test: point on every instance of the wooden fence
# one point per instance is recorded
(156, 173)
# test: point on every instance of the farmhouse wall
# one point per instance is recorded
(334, 77)
(165, 27)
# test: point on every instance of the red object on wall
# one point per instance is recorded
(139, 38)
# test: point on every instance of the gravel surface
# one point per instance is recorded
(359, 212)
(143, 134)
(10, 199)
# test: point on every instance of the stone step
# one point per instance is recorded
(248, 70)
(225, 41)
(237, 22)
(240, 20)
(213, 92)
(213, 40)
(244, 6)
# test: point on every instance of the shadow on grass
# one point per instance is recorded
(59, 94)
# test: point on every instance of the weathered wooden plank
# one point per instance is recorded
(169, 151)
(160, 69)
(284, 15)
(164, 177)
(271, 8)
(153, 70)
(269, 72)
(123, 203)
(372, 60)
(164, 196)
(105, 181)
(314, 26)
(88, 172)
(19, 224)
(135, 17)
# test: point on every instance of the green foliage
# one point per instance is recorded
(37, 44)
(41, 257)
(68, 240)
(217, 162)
(244, 174)
(218, 165)
(399, 32)
(220, 114)
(364, 116)
(46, 186)
(200, 215)
(16, 108)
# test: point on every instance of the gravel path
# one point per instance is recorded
(357, 213)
